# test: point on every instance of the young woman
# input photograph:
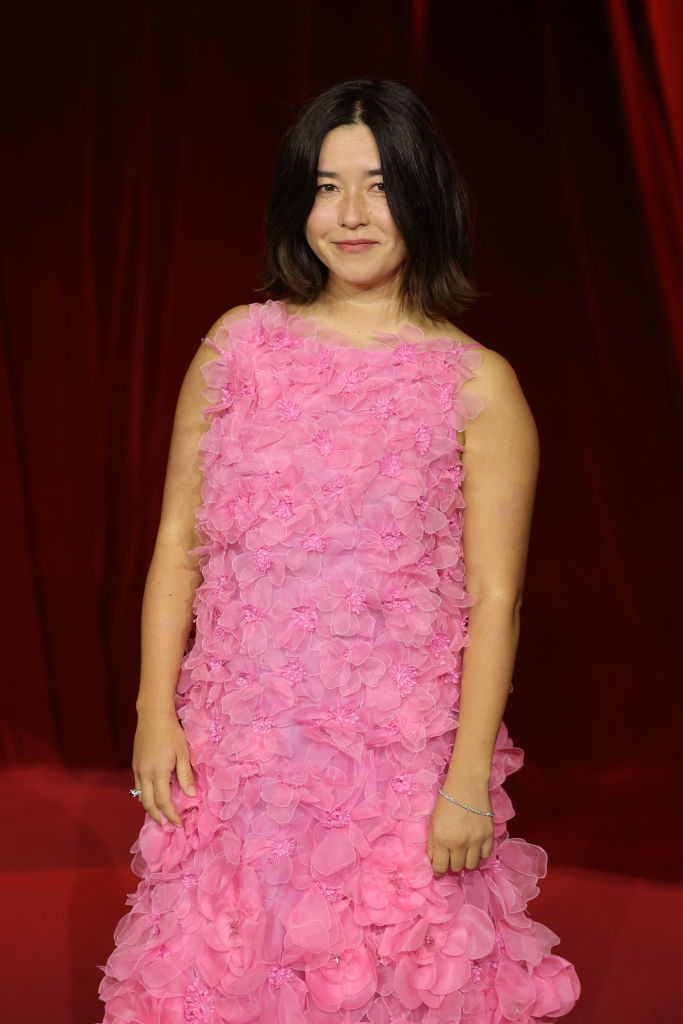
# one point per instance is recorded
(322, 763)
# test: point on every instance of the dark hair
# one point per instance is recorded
(427, 197)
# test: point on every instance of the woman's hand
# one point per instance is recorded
(159, 749)
(458, 838)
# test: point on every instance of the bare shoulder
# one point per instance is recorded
(494, 378)
(505, 419)
(216, 339)
(219, 332)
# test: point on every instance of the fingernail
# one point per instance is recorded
(191, 790)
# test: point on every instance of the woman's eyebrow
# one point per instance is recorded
(333, 174)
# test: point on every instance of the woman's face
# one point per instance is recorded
(350, 228)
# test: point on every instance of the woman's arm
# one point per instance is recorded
(501, 461)
(160, 746)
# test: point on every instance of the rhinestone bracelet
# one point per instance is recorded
(487, 814)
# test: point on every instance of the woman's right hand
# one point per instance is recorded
(160, 748)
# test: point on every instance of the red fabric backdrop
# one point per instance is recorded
(140, 140)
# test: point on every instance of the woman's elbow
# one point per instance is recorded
(505, 602)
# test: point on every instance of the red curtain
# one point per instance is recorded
(140, 140)
(648, 40)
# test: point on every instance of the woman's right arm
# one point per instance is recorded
(160, 746)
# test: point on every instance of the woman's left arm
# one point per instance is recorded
(501, 466)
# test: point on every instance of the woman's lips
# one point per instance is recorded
(359, 245)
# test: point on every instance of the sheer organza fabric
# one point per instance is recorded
(320, 700)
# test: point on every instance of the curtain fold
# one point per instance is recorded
(647, 39)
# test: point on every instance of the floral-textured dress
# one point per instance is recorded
(320, 701)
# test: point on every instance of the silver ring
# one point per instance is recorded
(135, 792)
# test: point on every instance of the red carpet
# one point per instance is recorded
(64, 875)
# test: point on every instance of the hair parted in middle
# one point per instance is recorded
(427, 197)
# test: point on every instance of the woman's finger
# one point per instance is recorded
(472, 858)
(487, 848)
(457, 857)
(148, 802)
(162, 797)
(185, 777)
(440, 861)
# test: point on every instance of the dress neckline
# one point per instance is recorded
(326, 335)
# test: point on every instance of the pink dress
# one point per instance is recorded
(320, 701)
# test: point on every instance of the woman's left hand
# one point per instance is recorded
(458, 838)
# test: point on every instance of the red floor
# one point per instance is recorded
(64, 875)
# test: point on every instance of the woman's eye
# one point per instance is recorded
(327, 186)
(379, 185)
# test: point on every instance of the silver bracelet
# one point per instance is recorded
(487, 814)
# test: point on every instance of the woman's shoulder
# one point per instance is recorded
(220, 328)
(494, 373)
(215, 342)
(497, 386)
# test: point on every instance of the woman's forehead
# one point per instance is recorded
(349, 145)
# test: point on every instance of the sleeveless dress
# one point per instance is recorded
(319, 695)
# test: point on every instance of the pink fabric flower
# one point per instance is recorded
(384, 545)
(347, 600)
(273, 848)
(396, 882)
(312, 549)
(347, 979)
(290, 786)
(409, 610)
(233, 931)
(347, 663)
(434, 958)
(339, 725)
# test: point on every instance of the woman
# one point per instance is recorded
(325, 838)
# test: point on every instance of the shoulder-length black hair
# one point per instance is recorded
(426, 196)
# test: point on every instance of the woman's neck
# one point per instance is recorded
(358, 313)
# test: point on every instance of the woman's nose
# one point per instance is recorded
(353, 210)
